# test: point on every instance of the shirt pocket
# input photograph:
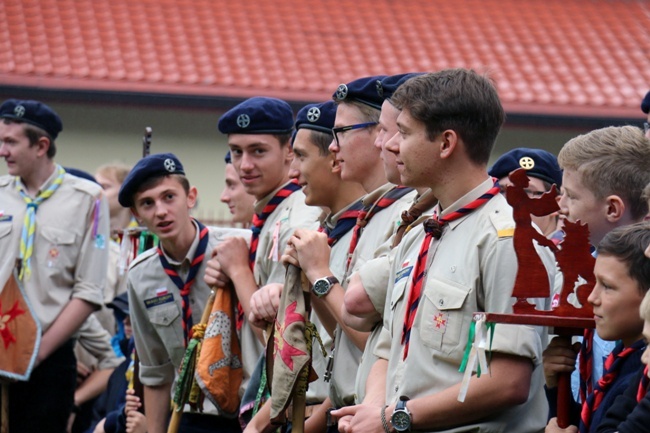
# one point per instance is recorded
(443, 319)
(58, 252)
(164, 319)
(5, 230)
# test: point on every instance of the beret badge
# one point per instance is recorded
(342, 92)
(313, 114)
(243, 120)
(19, 111)
(380, 88)
(170, 165)
(526, 162)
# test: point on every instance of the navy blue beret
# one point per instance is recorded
(537, 162)
(388, 86)
(33, 112)
(120, 303)
(362, 90)
(645, 104)
(258, 115)
(228, 158)
(160, 164)
(82, 174)
(319, 117)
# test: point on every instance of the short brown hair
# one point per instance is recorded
(612, 160)
(456, 99)
(34, 133)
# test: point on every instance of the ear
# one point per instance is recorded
(448, 144)
(288, 157)
(615, 208)
(192, 195)
(43, 145)
(135, 214)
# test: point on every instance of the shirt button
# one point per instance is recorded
(441, 302)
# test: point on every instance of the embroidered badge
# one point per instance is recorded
(440, 322)
(5, 218)
(100, 242)
(161, 291)
(403, 273)
(159, 300)
(52, 256)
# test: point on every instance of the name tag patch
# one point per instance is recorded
(159, 300)
(403, 273)
(6, 218)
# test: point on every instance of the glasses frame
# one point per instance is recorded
(341, 129)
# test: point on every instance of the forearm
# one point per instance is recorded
(261, 422)
(94, 385)
(65, 325)
(157, 406)
(244, 284)
(376, 388)
(508, 385)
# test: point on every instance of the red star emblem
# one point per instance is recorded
(5, 318)
(440, 320)
(287, 351)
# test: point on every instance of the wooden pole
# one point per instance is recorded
(4, 416)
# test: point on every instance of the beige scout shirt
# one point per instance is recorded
(156, 311)
(291, 214)
(377, 232)
(319, 389)
(69, 259)
(471, 268)
(93, 348)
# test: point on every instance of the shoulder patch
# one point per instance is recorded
(503, 223)
(143, 257)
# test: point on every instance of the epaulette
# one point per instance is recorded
(84, 185)
(142, 257)
(503, 223)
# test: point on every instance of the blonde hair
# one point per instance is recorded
(611, 161)
(116, 170)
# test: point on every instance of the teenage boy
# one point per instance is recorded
(622, 279)
(259, 132)
(167, 293)
(605, 172)
(234, 195)
(316, 171)
(56, 224)
(459, 263)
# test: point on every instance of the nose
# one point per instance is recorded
(392, 145)
(379, 141)
(3, 149)
(246, 163)
(334, 147)
(225, 196)
(594, 296)
(161, 210)
(562, 203)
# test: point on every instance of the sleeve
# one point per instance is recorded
(92, 264)
(375, 275)
(156, 367)
(97, 341)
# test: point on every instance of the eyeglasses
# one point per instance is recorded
(342, 129)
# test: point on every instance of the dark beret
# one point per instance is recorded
(319, 117)
(258, 115)
(120, 303)
(388, 86)
(362, 90)
(161, 164)
(228, 158)
(33, 112)
(645, 104)
(537, 163)
(82, 174)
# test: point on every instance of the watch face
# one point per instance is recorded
(401, 420)
(321, 287)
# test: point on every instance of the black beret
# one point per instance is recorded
(319, 117)
(645, 104)
(120, 303)
(362, 90)
(161, 164)
(537, 163)
(33, 112)
(258, 115)
(388, 86)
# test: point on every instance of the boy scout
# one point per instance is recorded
(167, 293)
(234, 195)
(458, 263)
(57, 225)
(314, 168)
(259, 132)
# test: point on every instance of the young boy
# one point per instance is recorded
(622, 279)
(234, 195)
(167, 292)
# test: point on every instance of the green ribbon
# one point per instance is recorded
(468, 348)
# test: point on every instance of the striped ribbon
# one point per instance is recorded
(344, 223)
(433, 228)
(643, 385)
(390, 197)
(29, 222)
(185, 287)
(611, 368)
(586, 365)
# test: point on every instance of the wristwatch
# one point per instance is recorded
(322, 286)
(401, 418)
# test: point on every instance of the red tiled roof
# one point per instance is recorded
(566, 57)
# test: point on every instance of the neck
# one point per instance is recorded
(374, 179)
(456, 183)
(284, 180)
(347, 193)
(38, 176)
(178, 248)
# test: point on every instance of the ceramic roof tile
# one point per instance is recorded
(569, 57)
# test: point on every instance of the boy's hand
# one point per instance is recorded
(559, 357)
(232, 255)
(264, 305)
(552, 427)
(136, 422)
(133, 402)
(312, 252)
(214, 276)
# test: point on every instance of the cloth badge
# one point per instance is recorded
(100, 242)
(440, 322)
(161, 291)
(5, 218)
(403, 273)
(52, 256)
(158, 300)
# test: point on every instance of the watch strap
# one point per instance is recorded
(383, 419)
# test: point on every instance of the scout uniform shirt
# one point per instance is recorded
(156, 312)
(279, 226)
(378, 231)
(471, 268)
(70, 252)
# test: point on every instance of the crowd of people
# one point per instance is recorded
(383, 198)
